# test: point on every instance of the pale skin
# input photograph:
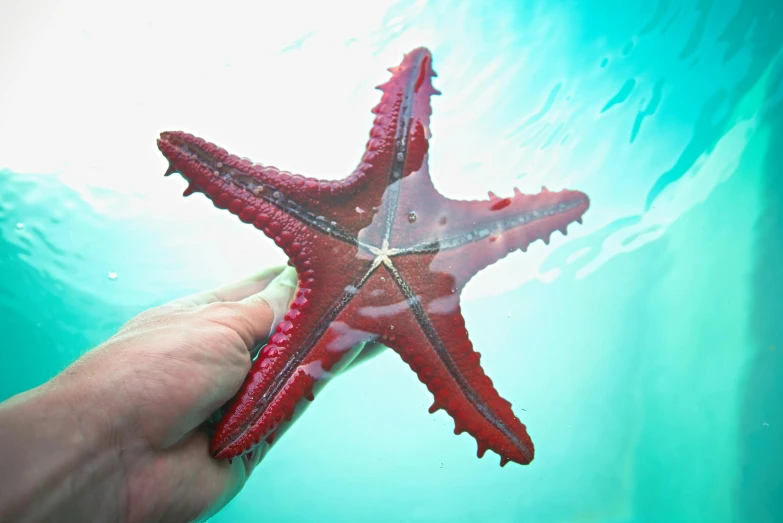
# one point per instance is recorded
(118, 436)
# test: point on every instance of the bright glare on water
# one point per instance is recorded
(644, 351)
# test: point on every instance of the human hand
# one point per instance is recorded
(118, 435)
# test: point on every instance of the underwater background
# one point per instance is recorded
(644, 351)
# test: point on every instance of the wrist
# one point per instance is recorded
(60, 460)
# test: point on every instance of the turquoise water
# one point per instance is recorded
(645, 348)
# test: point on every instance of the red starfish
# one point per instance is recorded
(380, 255)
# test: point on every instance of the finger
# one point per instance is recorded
(223, 362)
(370, 351)
(267, 308)
(233, 291)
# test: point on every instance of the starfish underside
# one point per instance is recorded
(381, 256)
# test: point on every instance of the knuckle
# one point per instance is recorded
(218, 307)
(262, 309)
(231, 348)
(235, 325)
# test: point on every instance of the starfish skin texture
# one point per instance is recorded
(380, 256)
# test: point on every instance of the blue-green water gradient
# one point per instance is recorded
(644, 351)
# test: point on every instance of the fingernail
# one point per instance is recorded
(278, 294)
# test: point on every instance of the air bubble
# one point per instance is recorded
(411, 216)
(112, 275)
(20, 226)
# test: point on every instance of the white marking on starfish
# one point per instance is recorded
(383, 251)
(383, 254)
(376, 262)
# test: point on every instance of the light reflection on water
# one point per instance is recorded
(629, 343)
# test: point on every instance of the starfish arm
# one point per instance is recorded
(397, 146)
(471, 235)
(416, 313)
(310, 345)
(270, 199)
(502, 226)
(398, 141)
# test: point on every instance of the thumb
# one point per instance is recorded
(266, 309)
(253, 318)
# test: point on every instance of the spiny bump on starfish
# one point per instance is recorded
(379, 249)
(190, 189)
